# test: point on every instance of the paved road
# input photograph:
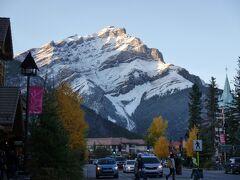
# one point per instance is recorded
(89, 172)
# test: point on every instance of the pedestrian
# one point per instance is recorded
(171, 166)
(140, 165)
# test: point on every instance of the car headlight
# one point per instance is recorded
(98, 168)
(160, 167)
(115, 167)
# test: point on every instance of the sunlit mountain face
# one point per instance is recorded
(119, 77)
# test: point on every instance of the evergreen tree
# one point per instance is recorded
(52, 157)
(195, 107)
(232, 113)
(212, 108)
(208, 132)
(237, 91)
(50, 153)
(231, 125)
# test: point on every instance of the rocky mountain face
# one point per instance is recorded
(119, 77)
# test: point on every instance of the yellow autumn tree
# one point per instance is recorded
(72, 116)
(156, 130)
(189, 144)
(161, 148)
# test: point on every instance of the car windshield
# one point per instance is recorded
(150, 160)
(130, 162)
(232, 160)
(120, 159)
(106, 161)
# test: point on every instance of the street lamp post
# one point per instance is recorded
(28, 68)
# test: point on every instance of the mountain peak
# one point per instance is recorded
(111, 31)
(117, 75)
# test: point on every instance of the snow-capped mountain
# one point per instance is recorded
(118, 76)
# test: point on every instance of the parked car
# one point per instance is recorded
(120, 161)
(151, 166)
(106, 167)
(128, 166)
(233, 165)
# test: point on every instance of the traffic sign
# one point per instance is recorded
(197, 145)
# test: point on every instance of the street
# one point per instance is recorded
(89, 172)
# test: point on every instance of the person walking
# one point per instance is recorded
(171, 165)
(140, 165)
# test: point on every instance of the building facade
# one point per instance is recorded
(119, 145)
(6, 48)
(225, 101)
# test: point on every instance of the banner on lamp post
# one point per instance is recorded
(35, 99)
(222, 138)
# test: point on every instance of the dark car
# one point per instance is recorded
(233, 165)
(106, 167)
(120, 161)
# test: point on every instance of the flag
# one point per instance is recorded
(35, 99)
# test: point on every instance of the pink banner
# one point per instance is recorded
(222, 138)
(35, 99)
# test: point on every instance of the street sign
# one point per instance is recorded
(197, 145)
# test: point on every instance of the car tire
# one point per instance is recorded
(97, 176)
(226, 172)
(232, 171)
(116, 176)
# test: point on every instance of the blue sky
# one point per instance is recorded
(202, 36)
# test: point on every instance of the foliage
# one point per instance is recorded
(51, 157)
(101, 152)
(208, 133)
(195, 107)
(232, 112)
(58, 137)
(161, 148)
(156, 130)
(189, 144)
(72, 116)
(236, 106)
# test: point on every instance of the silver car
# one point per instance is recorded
(128, 166)
(151, 166)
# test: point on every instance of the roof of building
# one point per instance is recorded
(226, 98)
(113, 141)
(9, 97)
(6, 48)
